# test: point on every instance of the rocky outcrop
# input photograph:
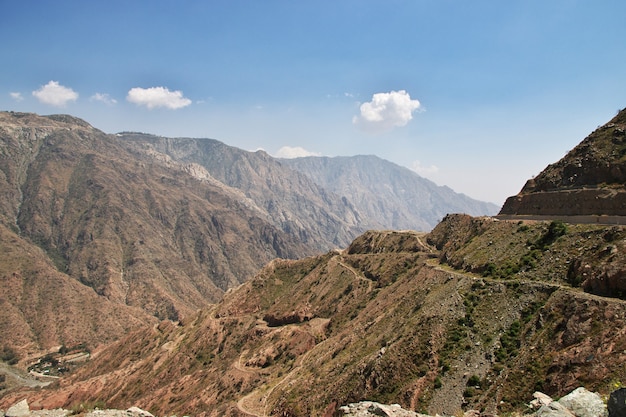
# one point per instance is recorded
(589, 180)
(374, 409)
(580, 202)
(617, 403)
(578, 403)
(22, 409)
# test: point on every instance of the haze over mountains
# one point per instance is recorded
(393, 196)
(161, 225)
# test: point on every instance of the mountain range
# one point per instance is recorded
(476, 314)
(145, 227)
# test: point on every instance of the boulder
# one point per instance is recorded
(374, 409)
(554, 409)
(20, 409)
(138, 412)
(583, 403)
(540, 399)
(617, 403)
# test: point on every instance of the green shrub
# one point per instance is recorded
(474, 381)
(8, 355)
(555, 230)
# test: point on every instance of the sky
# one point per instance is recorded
(479, 96)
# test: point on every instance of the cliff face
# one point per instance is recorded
(589, 180)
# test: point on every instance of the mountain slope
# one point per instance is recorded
(389, 319)
(41, 307)
(287, 199)
(589, 180)
(386, 193)
(130, 228)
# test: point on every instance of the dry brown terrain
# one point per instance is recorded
(391, 319)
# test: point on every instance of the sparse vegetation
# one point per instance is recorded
(85, 407)
(8, 355)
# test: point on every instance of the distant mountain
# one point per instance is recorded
(386, 193)
(589, 180)
(286, 199)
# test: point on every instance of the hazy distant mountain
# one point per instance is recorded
(386, 193)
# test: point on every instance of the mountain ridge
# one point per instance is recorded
(392, 195)
(127, 229)
(283, 196)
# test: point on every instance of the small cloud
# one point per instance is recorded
(425, 171)
(386, 111)
(154, 97)
(55, 94)
(16, 96)
(103, 98)
(290, 152)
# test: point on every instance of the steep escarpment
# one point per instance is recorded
(589, 180)
(397, 317)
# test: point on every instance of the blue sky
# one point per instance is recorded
(478, 96)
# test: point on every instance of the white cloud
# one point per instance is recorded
(386, 111)
(425, 171)
(290, 152)
(16, 96)
(154, 97)
(103, 98)
(55, 94)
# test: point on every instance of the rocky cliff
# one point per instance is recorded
(589, 180)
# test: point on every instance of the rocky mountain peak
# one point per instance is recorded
(589, 180)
